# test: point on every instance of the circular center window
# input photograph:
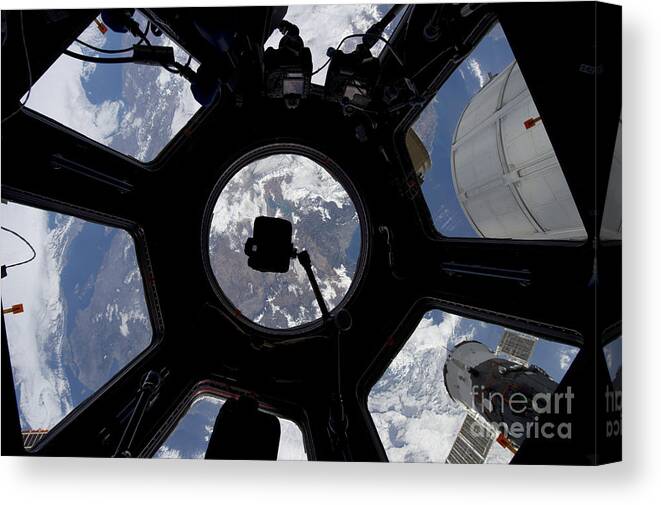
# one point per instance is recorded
(325, 223)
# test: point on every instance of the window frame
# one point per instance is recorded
(412, 320)
(408, 170)
(143, 260)
(164, 154)
(264, 150)
(217, 389)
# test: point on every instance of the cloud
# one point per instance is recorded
(93, 36)
(496, 33)
(165, 452)
(608, 353)
(285, 185)
(35, 337)
(324, 26)
(59, 94)
(567, 355)
(171, 84)
(476, 70)
(153, 104)
(291, 446)
(415, 418)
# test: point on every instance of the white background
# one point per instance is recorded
(74, 481)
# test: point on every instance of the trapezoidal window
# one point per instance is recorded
(613, 354)
(190, 438)
(485, 161)
(611, 223)
(76, 313)
(428, 408)
(134, 109)
(324, 26)
(325, 222)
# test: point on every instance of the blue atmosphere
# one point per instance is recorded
(552, 357)
(491, 56)
(106, 81)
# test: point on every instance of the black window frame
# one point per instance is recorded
(136, 232)
(409, 174)
(410, 323)
(218, 389)
(169, 150)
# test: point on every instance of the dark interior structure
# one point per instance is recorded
(563, 291)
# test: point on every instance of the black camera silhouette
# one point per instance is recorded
(270, 249)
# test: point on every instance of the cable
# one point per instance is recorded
(337, 49)
(143, 38)
(387, 44)
(34, 253)
(127, 59)
(92, 59)
(426, 65)
(27, 62)
(390, 16)
(392, 51)
(102, 50)
(174, 69)
(406, 28)
(361, 90)
(321, 67)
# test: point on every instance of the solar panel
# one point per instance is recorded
(517, 345)
(472, 444)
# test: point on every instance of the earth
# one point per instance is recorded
(88, 319)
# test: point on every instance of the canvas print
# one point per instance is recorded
(362, 232)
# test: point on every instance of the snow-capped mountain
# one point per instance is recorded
(155, 105)
(89, 319)
(324, 222)
(416, 419)
(85, 314)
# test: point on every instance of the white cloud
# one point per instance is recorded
(187, 107)
(608, 353)
(415, 418)
(63, 92)
(302, 182)
(497, 33)
(476, 70)
(284, 185)
(59, 95)
(93, 36)
(291, 446)
(323, 26)
(165, 452)
(567, 355)
(169, 83)
(35, 337)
